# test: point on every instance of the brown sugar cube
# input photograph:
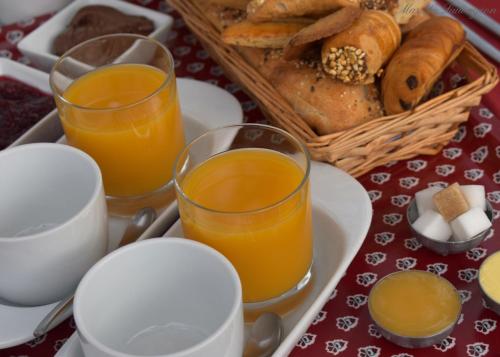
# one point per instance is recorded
(450, 202)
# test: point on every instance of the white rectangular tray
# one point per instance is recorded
(204, 107)
(342, 214)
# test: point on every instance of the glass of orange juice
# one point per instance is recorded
(117, 99)
(244, 190)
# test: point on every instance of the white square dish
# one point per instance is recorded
(37, 46)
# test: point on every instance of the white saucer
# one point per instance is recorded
(204, 107)
(342, 214)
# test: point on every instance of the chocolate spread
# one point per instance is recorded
(97, 20)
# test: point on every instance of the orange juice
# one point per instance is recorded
(414, 303)
(127, 117)
(247, 209)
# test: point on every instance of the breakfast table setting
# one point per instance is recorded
(326, 204)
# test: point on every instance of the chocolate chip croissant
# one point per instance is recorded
(418, 63)
(356, 55)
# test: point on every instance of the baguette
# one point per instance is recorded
(271, 10)
(261, 35)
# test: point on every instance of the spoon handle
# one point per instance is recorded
(140, 222)
(57, 315)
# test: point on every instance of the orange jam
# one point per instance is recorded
(414, 303)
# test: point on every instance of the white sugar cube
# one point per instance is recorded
(475, 195)
(432, 225)
(424, 199)
(470, 223)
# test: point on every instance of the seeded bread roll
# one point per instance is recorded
(357, 54)
(417, 64)
(327, 105)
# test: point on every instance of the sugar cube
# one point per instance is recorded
(475, 195)
(432, 225)
(424, 201)
(450, 202)
(469, 224)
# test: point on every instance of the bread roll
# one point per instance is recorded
(357, 54)
(327, 105)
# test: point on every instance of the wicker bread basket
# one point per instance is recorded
(424, 130)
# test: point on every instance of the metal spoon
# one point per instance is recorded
(265, 336)
(137, 225)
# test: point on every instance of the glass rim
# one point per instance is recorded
(290, 137)
(165, 83)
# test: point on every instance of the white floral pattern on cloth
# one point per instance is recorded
(343, 326)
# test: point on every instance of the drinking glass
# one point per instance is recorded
(117, 99)
(244, 190)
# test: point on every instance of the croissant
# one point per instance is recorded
(262, 34)
(417, 64)
(357, 54)
(270, 10)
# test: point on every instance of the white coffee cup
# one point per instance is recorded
(161, 297)
(53, 221)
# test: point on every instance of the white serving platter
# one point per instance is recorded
(204, 107)
(37, 46)
(342, 214)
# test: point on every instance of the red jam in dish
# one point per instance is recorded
(21, 107)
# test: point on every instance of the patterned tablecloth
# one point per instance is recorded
(343, 327)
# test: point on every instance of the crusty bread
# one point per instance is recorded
(262, 34)
(426, 52)
(327, 105)
(271, 10)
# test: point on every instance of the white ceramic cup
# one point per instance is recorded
(53, 221)
(161, 297)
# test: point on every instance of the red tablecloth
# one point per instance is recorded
(343, 327)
